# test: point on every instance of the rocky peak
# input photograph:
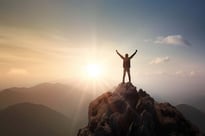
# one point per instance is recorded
(130, 112)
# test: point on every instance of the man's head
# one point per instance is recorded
(126, 55)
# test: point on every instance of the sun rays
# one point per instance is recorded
(94, 70)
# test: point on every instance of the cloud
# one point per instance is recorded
(172, 40)
(159, 60)
(17, 71)
(179, 72)
(193, 73)
(182, 73)
(155, 73)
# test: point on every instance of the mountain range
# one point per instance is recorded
(130, 112)
(62, 98)
(72, 103)
(196, 116)
(28, 119)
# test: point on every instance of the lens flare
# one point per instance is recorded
(93, 70)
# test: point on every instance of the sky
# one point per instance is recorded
(54, 41)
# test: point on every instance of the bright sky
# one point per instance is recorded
(56, 40)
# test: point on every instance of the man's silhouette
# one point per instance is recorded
(126, 64)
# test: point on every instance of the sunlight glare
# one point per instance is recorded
(93, 70)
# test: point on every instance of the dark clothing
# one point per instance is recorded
(126, 65)
(126, 62)
(126, 70)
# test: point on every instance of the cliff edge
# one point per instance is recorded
(131, 112)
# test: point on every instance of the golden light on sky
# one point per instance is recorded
(52, 41)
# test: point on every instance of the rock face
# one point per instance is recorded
(131, 112)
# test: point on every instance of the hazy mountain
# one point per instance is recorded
(66, 99)
(131, 112)
(33, 120)
(63, 98)
(199, 102)
(196, 116)
(58, 96)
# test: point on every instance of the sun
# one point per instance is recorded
(94, 70)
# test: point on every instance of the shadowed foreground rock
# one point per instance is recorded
(128, 112)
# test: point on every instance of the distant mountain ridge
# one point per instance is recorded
(196, 116)
(26, 119)
(198, 102)
(56, 96)
(63, 98)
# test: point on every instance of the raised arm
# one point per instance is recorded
(119, 54)
(133, 54)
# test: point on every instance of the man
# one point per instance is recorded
(126, 64)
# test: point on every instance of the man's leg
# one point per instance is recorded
(123, 79)
(128, 71)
